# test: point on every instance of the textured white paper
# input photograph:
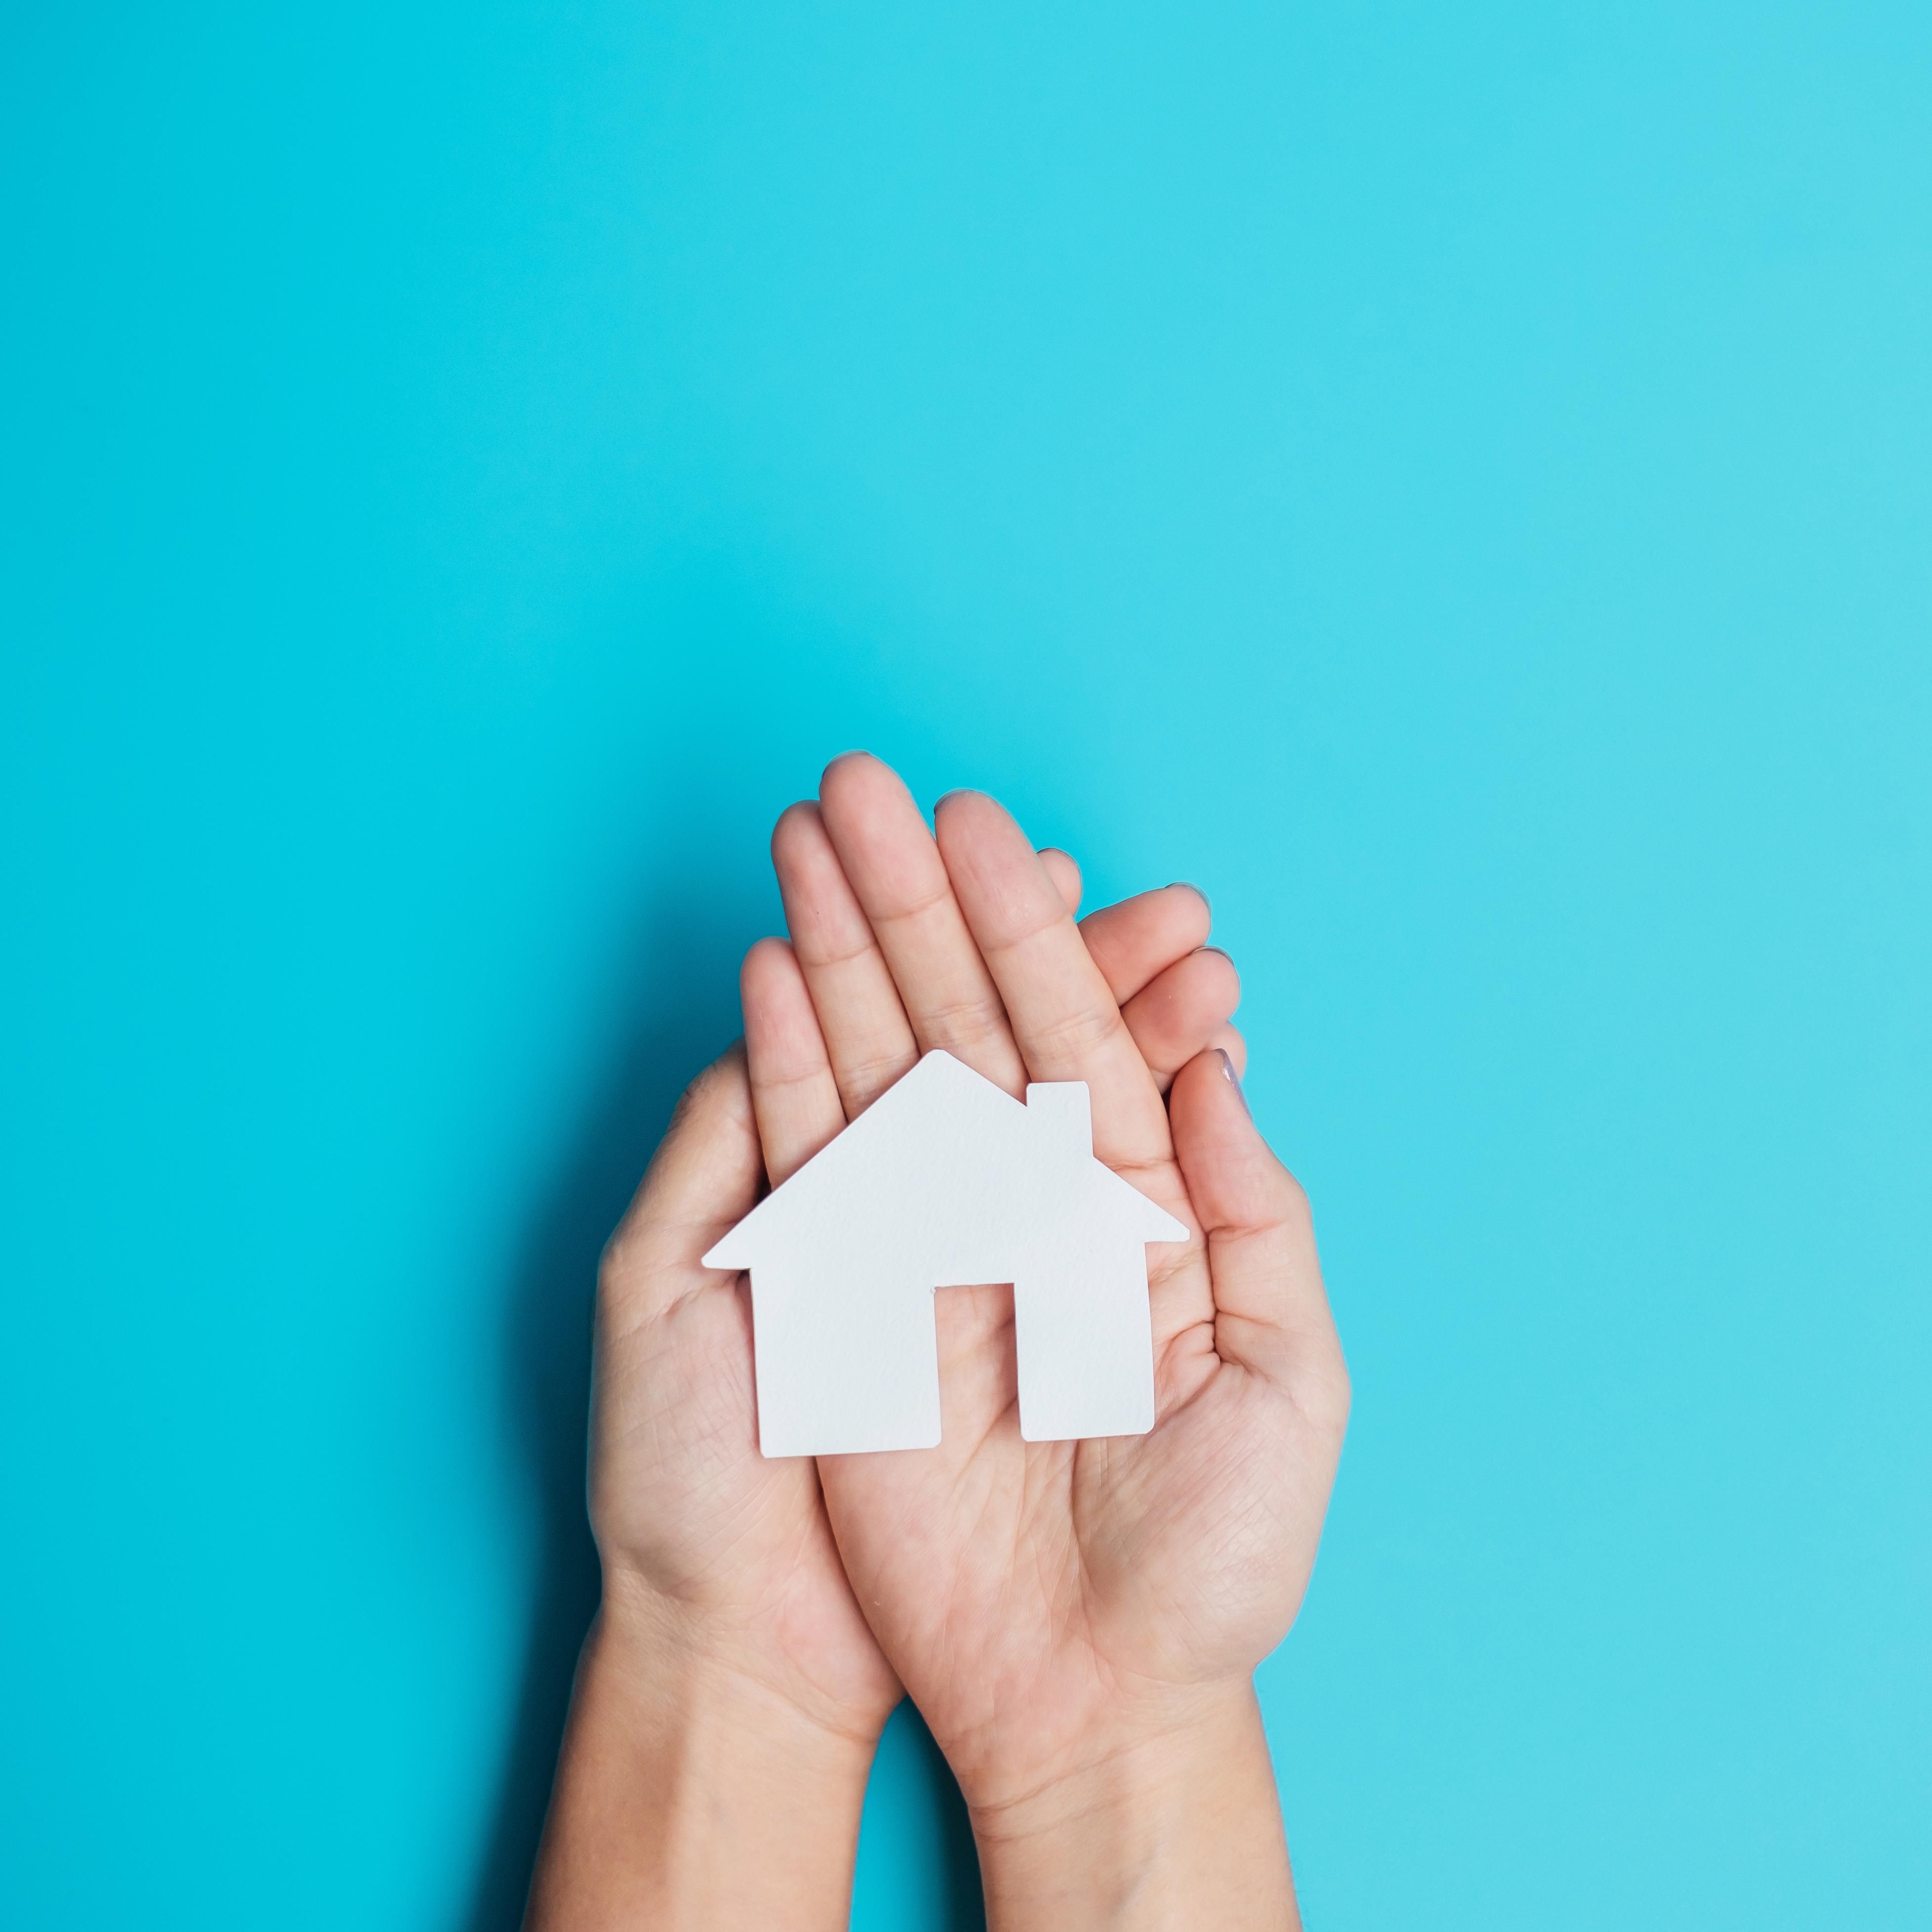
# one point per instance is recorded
(944, 1181)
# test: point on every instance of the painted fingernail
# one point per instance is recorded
(1234, 1080)
(1188, 886)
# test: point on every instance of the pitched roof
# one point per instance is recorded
(948, 1175)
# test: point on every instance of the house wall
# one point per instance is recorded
(847, 1359)
(1084, 1334)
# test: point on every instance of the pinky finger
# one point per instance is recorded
(1183, 1009)
(794, 1092)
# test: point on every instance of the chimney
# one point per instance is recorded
(1064, 1113)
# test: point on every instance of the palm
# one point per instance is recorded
(1051, 1580)
(1055, 1581)
(688, 1515)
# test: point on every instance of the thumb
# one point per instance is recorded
(703, 1179)
(1270, 1310)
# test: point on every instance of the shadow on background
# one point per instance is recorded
(686, 983)
(926, 1874)
(685, 980)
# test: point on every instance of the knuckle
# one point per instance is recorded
(1076, 1036)
(969, 1023)
(863, 1079)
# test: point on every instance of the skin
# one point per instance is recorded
(1078, 1623)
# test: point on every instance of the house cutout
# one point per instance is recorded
(945, 1180)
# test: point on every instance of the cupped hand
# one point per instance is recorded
(724, 1558)
(731, 1693)
(707, 1547)
(1055, 1607)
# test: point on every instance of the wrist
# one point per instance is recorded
(700, 1687)
(708, 1658)
(690, 1793)
(1164, 1816)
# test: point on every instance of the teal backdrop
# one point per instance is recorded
(1456, 482)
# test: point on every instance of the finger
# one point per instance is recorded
(899, 877)
(794, 1092)
(867, 1035)
(1065, 1019)
(1270, 1310)
(1064, 874)
(703, 1179)
(1180, 1011)
(1135, 939)
(1228, 1039)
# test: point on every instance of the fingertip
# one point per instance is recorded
(875, 830)
(763, 959)
(978, 837)
(788, 1073)
(857, 756)
(961, 805)
(1183, 1009)
(1232, 1075)
(1228, 1040)
(725, 1080)
(1065, 873)
(781, 1027)
(1235, 1178)
(853, 779)
(703, 1176)
(799, 822)
(1220, 962)
(1135, 941)
(1206, 1103)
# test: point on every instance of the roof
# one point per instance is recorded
(949, 1177)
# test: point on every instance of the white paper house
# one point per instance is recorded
(944, 1181)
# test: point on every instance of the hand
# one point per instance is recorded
(1077, 1622)
(731, 1693)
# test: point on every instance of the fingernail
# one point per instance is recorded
(1234, 1080)
(1188, 885)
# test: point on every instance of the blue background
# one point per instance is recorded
(1454, 482)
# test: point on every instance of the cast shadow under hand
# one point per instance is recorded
(686, 977)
